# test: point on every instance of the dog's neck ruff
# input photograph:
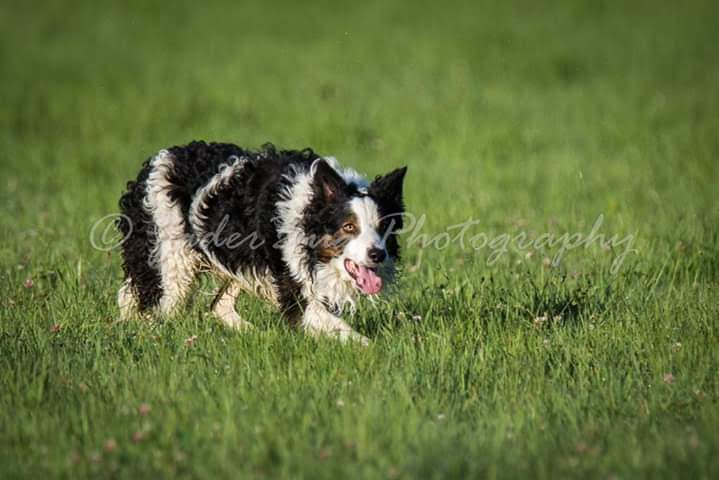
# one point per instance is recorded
(323, 281)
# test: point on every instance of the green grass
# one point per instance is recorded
(531, 118)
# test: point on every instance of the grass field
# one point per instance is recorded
(487, 362)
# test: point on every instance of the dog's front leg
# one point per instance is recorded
(317, 320)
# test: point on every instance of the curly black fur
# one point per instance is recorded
(244, 209)
(137, 228)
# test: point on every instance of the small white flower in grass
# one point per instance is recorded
(669, 378)
(28, 283)
(340, 403)
(441, 416)
(417, 318)
(676, 347)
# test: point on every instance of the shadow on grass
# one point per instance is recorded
(550, 302)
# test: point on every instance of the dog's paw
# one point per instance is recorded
(242, 326)
(353, 337)
(234, 322)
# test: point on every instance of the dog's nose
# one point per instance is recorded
(377, 255)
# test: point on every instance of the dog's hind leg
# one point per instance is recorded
(178, 267)
(172, 254)
(223, 307)
(142, 289)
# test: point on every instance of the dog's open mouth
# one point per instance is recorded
(366, 279)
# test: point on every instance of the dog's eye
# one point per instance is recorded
(349, 227)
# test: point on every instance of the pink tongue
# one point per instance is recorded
(368, 281)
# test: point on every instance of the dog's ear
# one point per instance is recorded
(388, 189)
(327, 182)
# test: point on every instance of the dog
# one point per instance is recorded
(289, 226)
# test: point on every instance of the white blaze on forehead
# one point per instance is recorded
(367, 213)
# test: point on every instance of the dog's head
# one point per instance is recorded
(355, 226)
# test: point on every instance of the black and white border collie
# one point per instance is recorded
(290, 226)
